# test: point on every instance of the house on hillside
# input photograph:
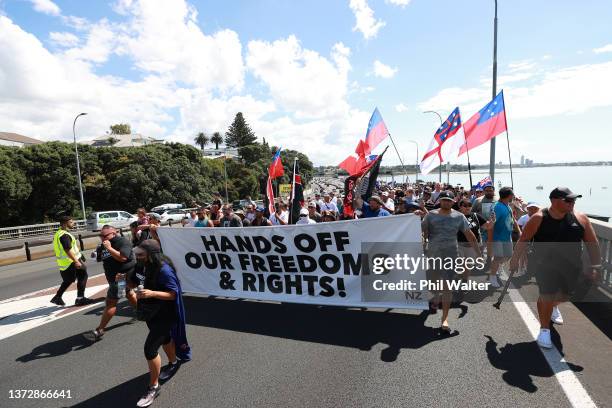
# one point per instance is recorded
(130, 140)
(15, 139)
(229, 153)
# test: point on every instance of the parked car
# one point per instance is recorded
(161, 208)
(118, 219)
(175, 215)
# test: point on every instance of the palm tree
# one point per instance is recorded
(216, 139)
(201, 140)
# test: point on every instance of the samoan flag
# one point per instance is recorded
(377, 131)
(446, 141)
(484, 183)
(276, 167)
(487, 123)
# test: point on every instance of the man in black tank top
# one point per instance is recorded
(558, 233)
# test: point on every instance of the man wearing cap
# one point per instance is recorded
(260, 220)
(312, 212)
(373, 208)
(304, 218)
(440, 227)
(532, 208)
(558, 232)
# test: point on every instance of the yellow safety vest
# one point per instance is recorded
(63, 261)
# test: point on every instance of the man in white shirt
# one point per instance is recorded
(328, 205)
(388, 201)
(532, 208)
(304, 218)
(281, 215)
(333, 198)
(191, 219)
(436, 193)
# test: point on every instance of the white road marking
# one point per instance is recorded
(575, 392)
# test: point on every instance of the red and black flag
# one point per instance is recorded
(297, 194)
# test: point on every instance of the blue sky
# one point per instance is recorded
(307, 74)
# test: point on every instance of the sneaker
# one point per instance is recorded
(83, 301)
(544, 339)
(168, 371)
(94, 335)
(58, 301)
(556, 316)
(494, 282)
(149, 397)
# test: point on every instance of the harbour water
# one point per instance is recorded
(593, 182)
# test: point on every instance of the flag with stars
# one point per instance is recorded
(487, 123)
(446, 142)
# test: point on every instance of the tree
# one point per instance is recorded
(121, 129)
(201, 140)
(239, 133)
(216, 139)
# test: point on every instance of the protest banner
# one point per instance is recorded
(323, 264)
(284, 190)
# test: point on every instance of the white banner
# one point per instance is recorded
(321, 264)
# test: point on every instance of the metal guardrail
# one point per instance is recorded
(603, 230)
(26, 231)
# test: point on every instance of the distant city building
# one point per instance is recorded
(15, 139)
(522, 160)
(528, 162)
(230, 153)
(131, 140)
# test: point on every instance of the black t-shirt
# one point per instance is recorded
(476, 221)
(233, 221)
(66, 242)
(258, 223)
(111, 265)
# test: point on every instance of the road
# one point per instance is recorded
(261, 354)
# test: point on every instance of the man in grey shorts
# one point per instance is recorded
(440, 228)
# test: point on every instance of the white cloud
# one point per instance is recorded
(401, 3)
(164, 38)
(46, 7)
(301, 80)
(384, 71)
(63, 39)
(101, 42)
(605, 48)
(518, 66)
(401, 108)
(568, 90)
(366, 23)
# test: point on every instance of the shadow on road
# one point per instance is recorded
(320, 324)
(33, 314)
(60, 347)
(123, 395)
(522, 361)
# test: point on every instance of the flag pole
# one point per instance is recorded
(469, 166)
(400, 158)
(292, 192)
(508, 141)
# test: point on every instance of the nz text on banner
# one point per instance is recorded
(284, 190)
(320, 264)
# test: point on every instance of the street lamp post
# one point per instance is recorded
(440, 167)
(416, 177)
(76, 150)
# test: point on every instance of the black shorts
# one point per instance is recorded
(561, 279)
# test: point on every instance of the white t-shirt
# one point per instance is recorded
(390, 204)
(284, 216)
(331, 206)
(523, 220)
(305, 221)
(190, 222)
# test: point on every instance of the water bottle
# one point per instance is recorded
(121, 288)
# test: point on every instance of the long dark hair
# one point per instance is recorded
(155, 262)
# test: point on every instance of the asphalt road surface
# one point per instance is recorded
(261, 354)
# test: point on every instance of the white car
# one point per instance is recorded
(161, 208)
(175, 215)
(117, 219)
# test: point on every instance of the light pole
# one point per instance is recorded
(225, 174)
(439, 168)
(492, 153)
(416, 177)
(76, 150)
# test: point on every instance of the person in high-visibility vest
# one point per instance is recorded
(71, 263)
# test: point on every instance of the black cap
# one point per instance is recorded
(563, 192)
(446, 195)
